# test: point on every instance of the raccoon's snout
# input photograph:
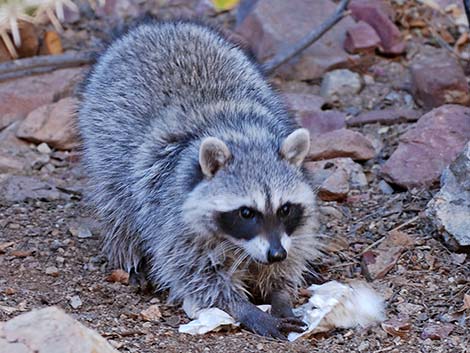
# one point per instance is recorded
(276, 254)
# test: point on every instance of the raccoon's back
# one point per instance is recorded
(161, 69)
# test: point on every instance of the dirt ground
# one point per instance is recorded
(48, 264)
(427, 284)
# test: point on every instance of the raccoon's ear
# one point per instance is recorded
(296, 146)
(213, 154)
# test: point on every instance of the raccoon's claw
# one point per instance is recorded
(292, 324)
(267, 325)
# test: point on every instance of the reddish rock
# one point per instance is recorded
(18, 97)
(323, 121)
(53, 123)
(336, 177)
(335, 187)
(361, 38)
(437, 78)
(341, 143)
(302, 103)
(385, 117)
(268, 29)
(379, 17)
(423, 153)
(306, 109)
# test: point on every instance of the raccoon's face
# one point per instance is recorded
(254, 196)
(265, 236)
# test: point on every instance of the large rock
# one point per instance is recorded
(423, 153)
(20, 96)
(53, 123)
(341, 143)
(50, 330)
(336, 177)
(379, 15)
(437, 78)
(271, 25)
(450, 208)
(361, 38)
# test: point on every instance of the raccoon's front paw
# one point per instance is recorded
(267, 325)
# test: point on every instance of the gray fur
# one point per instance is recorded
(151, 99)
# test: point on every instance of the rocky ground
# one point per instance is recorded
(386, 103)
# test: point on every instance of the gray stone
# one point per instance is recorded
(450, 208)
(44, 148)
(338, 83)
(75, 302)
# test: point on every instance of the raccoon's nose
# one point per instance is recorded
(277, 254)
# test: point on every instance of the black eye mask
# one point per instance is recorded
(234, 224)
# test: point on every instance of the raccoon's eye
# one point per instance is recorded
(284, 211)
(246, 213)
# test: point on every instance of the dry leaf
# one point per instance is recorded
(4, 246)
(466, 302)
(152, 313)
(377, 263)
(437, 331)
(397, 327)
(22, 253)
(52, 44)
(224, 5)
(118, 276)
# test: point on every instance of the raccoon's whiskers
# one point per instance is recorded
(237, 263)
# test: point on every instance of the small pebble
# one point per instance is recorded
(52, 271)
(385, 187)
(44, 148)
(81, 232)
(75, 302)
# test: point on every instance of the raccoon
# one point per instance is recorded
(196, 170)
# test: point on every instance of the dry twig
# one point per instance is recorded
(308, 40)
(40, 64)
